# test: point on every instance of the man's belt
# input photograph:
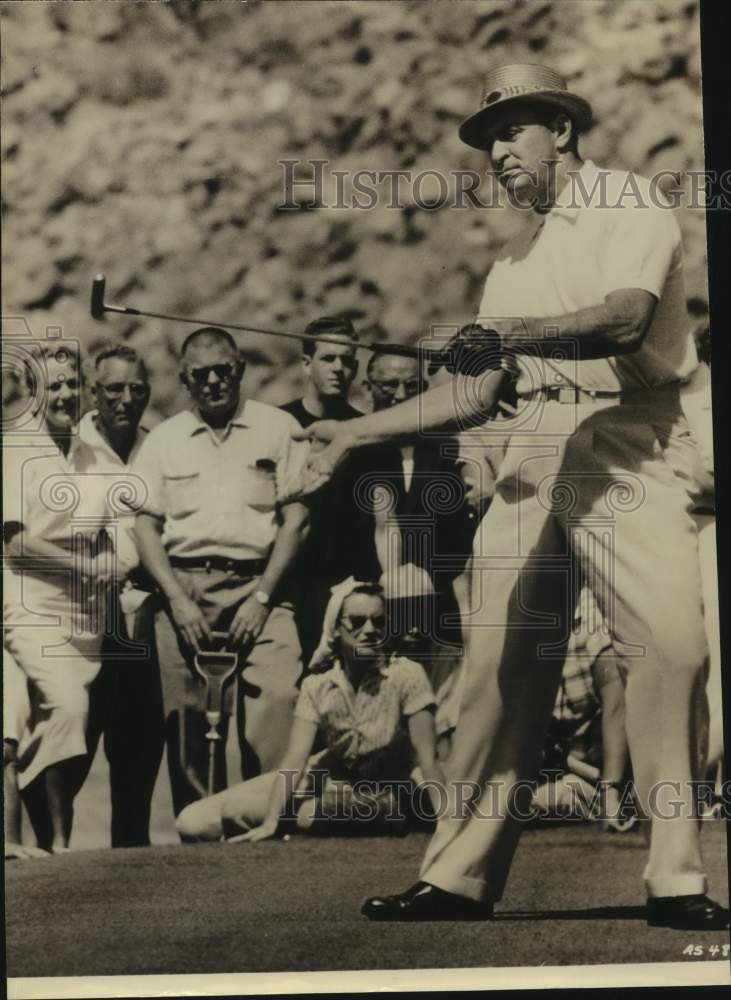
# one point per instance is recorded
(575, 396)
(241, 567)
(572, 394)
(666, 392)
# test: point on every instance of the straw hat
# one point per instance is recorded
(523, 82)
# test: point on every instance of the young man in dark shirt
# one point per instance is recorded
(330, 369)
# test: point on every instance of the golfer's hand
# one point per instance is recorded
(263, 832)
(473, 350)
(331, 444)
(23, 853)
(247, 623)
(190, 621)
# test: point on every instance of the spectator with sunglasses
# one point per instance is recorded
(215, 539)
(126, 698)
(329, 370)
(373, 716)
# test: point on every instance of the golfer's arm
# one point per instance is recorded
(292, 533)
(148, 535)
(449, 406)
(291, 770)
(616, 326)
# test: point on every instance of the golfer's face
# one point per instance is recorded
(394, 380)
(213, 375)
(121, 394)
(63, 392)
(521, 151)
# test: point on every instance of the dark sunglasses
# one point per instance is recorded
(223, 372)
(354, 623)
(390, 385)
(137, 390)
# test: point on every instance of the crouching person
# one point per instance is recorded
(360, 702)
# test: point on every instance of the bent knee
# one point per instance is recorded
(199, 821)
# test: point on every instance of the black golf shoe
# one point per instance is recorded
(686, 913)
(425, 902)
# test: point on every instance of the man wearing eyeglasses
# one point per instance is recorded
(125, 697)
(329, 369)
(125, 702)
(212, 534)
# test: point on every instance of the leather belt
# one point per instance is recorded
(573, 395)
(242, 567)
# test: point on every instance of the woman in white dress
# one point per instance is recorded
(55, 585)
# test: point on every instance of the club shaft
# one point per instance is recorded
(404, 350)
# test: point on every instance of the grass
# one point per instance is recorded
(575, 897)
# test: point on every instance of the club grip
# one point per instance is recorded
(98, 286)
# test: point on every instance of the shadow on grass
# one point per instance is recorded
(594, 913)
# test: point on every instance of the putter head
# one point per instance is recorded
(98, 287)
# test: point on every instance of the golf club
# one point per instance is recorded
(99, 307)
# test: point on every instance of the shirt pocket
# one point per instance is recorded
(182, 494)
(260, 486)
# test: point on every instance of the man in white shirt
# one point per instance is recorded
(125, 697)
(587, 303)
(213, 535)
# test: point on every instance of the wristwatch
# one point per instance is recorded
(262, 597)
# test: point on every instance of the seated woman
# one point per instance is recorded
(59, 568)
(357, 700)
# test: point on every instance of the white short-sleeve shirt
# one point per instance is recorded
(606, 232)
(122, 489)
(218, 497)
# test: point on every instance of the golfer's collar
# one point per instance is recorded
(571, 198)
(198, 425)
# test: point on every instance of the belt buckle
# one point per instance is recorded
(567, 394)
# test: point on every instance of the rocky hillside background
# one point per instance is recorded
(142, 139)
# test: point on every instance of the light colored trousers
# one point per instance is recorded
(601, 492)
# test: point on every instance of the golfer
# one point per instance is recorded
(596, 485)
(360, 702)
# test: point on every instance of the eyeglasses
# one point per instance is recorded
(391, 385)
(137, 390)
(223, 372)
(354, 623)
